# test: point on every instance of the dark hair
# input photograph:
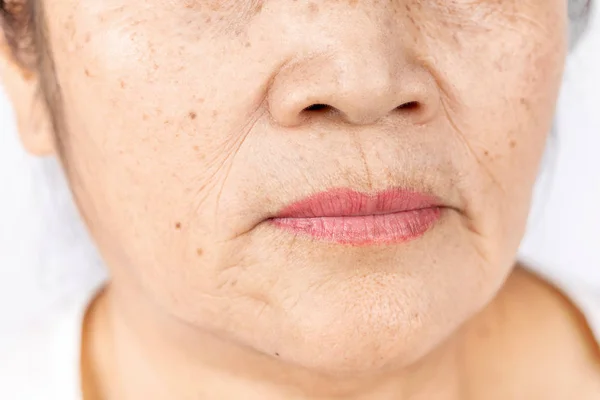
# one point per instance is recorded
(18, 22)
(23, 24)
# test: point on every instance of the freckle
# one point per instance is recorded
(199, 252)
(215, 113)
(87, 72)
(193, 115)
(123, 85)
(145, 117)
(196, 148)
(178, 225)
(258, 8)
(513, 144)
(87, 37)
(248, 44)
(487, 153)
(523, 101)
(201, 100)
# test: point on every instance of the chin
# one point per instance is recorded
(351, 349)
(366, 335)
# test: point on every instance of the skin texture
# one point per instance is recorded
(183, 127)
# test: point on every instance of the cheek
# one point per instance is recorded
(147, 150)
(499, 103)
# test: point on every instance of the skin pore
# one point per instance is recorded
(186, 125)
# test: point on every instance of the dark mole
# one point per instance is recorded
(178, 225)
(277, 354)
(487, 153)
(192, 115)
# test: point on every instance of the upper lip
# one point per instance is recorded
(343, 202)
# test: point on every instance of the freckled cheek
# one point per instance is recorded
(155, 139)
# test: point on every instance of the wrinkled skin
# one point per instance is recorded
(184, 127)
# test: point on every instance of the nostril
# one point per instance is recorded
(320, 110)
(317, 107)
(411, 105)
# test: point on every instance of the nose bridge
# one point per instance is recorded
(356, 61)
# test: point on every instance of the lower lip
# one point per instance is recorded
(366, 229)
(378, 228)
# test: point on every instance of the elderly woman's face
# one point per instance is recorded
(340, 183)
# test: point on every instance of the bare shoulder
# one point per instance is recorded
(535, 342)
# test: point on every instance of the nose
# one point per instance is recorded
(361, 82)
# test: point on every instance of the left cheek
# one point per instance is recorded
(502, 120)
(510, 101)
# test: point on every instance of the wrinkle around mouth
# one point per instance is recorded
(235, 147)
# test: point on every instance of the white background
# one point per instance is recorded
(44, 250)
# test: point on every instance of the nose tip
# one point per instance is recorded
(354, 92)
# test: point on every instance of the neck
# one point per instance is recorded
(132, 352)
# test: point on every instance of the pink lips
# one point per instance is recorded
(348, 217)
